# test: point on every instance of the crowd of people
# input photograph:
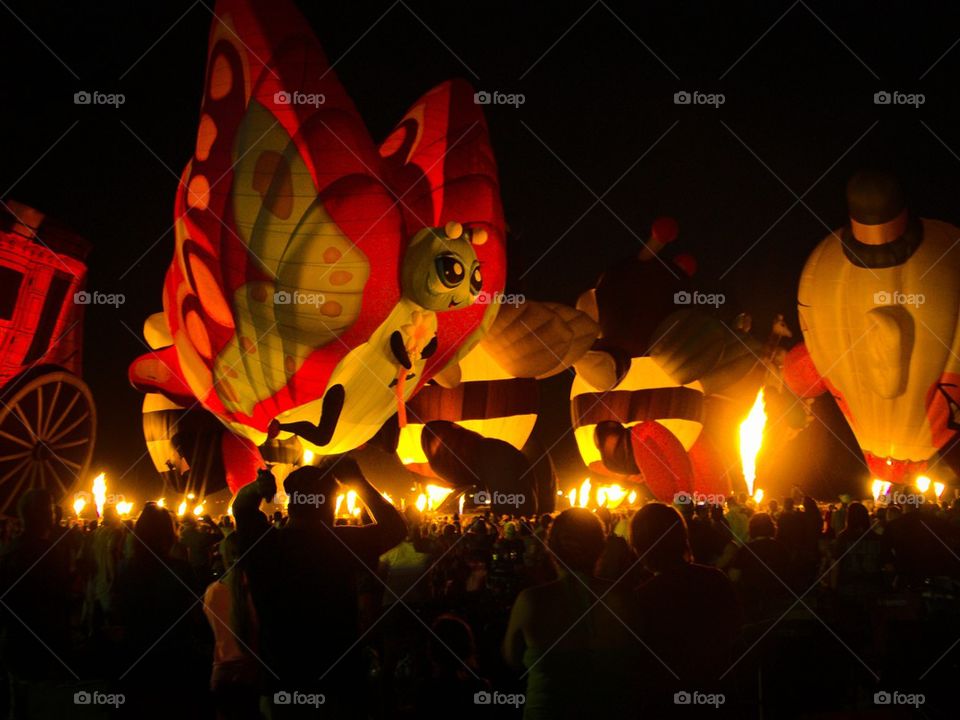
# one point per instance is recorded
(785, 610)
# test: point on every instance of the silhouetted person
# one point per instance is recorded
(161, 618)
(303, 579)
(688, 614)
(576, 653)
(34, 576)
(759, 571)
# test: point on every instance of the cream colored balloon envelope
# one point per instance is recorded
(885, 340)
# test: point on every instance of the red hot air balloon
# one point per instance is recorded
(319, 279)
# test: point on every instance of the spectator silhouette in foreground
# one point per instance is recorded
(163, 633)
(759, 571)
(229, 610)
(34, 615)
(303, 580)
(688, 614)
(571, 637)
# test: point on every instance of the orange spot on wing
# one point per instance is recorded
(289, 364)
(248, 345)
(208, 290)
(340, 277)
(331, 255)
(221, 78)
(198, 334)
(331, 308)
(198, 192)
(205, 137)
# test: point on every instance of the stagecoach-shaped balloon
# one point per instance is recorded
(47, 415)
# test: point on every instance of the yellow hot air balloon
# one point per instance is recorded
(879, 306)
(646, 392)
(488, 401)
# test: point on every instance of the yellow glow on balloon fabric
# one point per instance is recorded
(886, 341)
(644, 374)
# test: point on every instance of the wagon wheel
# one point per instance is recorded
(47, 430)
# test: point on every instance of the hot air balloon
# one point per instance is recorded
(494, 395)
(318, 279)
(879, 304)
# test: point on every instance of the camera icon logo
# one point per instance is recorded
(882, 297)
(682, 297)
(882, 97)
(82, 98)
(682, 698)
(882, 698)
(282, 297)
(282, 698)
(82, 697)
(81, 297)
(482, 498)
(682, 98)
(482, 98)
(282, 97)
(682, 498)
(482, 698)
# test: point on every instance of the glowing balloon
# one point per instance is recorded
(879, 305)
(319, 279)
(646, 393)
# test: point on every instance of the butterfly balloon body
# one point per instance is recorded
(319, 279)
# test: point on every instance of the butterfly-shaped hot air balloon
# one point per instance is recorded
(318, 279)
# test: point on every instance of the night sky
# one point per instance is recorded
(755, 183)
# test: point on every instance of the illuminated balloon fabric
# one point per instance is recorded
(487, 401)
(879, 304)
(292, 230)
(646, 393)
(496, 394)
(194, 444)
(539, 339)
(662, 460)
(464, 458)
(800, 374)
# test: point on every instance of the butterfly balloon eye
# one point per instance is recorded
(450, 270)
(476, 281)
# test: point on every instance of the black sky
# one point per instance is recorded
(598, 80)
